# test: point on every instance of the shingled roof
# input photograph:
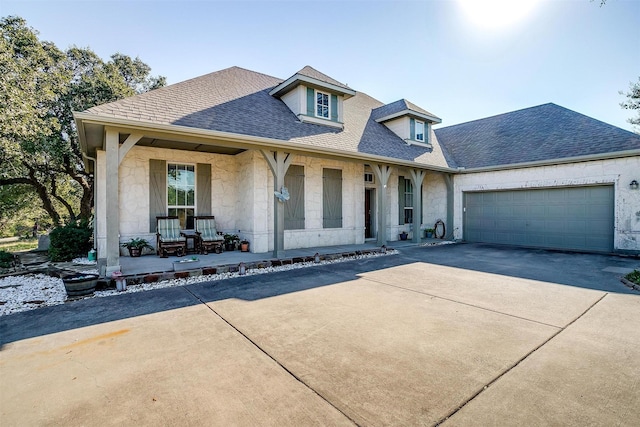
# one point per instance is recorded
(315, 74)
(237, 100)
(544, 132)
(401, 106)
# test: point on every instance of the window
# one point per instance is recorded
(368, 177)
(419, 131)
(405, 201)
(294, 207)
(331, 198)
(181, 197)
(322, 104)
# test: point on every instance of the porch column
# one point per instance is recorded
(278, 162)
(114, 156)
(112, 206)
(417, 176)
(382, 173)
(448, 179)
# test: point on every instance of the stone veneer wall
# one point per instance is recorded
(619, 172)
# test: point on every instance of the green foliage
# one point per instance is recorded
(137, 243)
(6, 258)
(70, 241)
(633, 102)
(634, 277)
(41, 86)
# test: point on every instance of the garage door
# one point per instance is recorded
(578, 218)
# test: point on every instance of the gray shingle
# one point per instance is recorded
(398, 106)
(237, 100)
(538, 133)
(315, 74)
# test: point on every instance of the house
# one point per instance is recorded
(355, 168)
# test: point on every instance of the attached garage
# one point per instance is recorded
(578, 218)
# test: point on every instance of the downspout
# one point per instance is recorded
(448, 179)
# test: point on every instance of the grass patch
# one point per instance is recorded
(634, 277)
(20, 245)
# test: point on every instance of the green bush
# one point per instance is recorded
(5, 259)
(634, 277)
(70, 241)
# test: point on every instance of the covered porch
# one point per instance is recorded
(150, 264)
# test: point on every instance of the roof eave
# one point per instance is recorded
(298, 79)
(248, 141)
(551, 162)
(410, 113)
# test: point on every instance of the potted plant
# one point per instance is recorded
(428, 233)
(230, 242)
(136, 246)
(403, 235)
(244, 245)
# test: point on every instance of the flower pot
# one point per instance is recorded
(80, 284)
(403, 236)
(244, 247)
(135, 252)
(229, 246)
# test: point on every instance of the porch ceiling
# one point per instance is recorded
(181, 145)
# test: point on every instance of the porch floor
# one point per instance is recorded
(154, 264)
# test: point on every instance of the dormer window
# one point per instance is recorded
(419, 131)
(322, 104)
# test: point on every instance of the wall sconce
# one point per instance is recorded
(634, 185)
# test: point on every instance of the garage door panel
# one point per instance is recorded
(564, 218)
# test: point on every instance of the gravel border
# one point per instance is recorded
(33, 291)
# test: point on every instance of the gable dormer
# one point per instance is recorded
(410, 122)
(314, 97)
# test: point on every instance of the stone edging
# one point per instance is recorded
(630, 284)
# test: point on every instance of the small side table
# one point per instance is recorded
(191, 235)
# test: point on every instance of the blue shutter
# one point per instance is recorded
(334, 108)
(311, 110)
(412, 126)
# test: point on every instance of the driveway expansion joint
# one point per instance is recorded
(526, 356)
(256, 345)
(463, 303)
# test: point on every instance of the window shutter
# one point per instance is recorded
(311, 108)
(203, 188)
(412, 127)
(401, 199)
(294, 207)
(334, 108)
(332, 198)
(157, 191)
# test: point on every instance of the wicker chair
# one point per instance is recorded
(168, 237)
(209, 239)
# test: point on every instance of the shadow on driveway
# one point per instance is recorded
(572, 269)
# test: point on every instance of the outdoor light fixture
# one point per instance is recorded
(634, 185)
(316, 258)
(383, 249)
(242, 269)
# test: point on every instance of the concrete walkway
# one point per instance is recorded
(432, 335)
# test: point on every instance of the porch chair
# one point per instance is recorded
(209, 239)
(168, 237)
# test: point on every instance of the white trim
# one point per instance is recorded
(285, 86)
(315, 104)
(412, 113)
(420, 144)
(320, 121)
(415, 130)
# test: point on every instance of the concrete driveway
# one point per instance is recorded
(457, 335)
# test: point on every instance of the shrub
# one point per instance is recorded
(6, 258)
(634, 277)
(70, 241)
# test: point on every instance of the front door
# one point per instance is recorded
(369, 196)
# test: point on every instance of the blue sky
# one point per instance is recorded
(570, 52)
